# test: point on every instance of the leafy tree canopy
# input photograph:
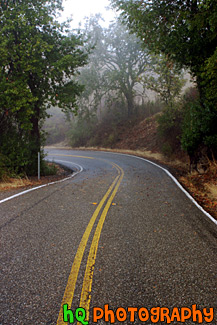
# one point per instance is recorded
(38, 59)
(115, 64)
(186, 31)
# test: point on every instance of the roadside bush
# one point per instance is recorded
(4, 172)
(149, 108)
(111, 139)
(199, 125)
(15, 153)
(48, 169)
(167, 149)
(169, 129)
(82, 129)
(192, 126)
(199, 136)
(189, 126)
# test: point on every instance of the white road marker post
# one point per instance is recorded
(39, 167)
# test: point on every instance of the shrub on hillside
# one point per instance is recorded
(82, 130)
(199, 137)
(190, 126)
(3, 167)
(169, 129)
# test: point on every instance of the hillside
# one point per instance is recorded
(139, 135)
(142, 135)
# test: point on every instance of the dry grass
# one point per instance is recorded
(204, 187)
(212, 190)
(60, 145)
(12, 183)
(211, 185)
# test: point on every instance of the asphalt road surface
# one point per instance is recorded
(119, 239)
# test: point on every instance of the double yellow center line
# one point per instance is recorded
(88, 277)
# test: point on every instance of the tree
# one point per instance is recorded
(115, 65)
(91, 75)
(185, 31)
(165, 78)
(124, 62)
(38, 60)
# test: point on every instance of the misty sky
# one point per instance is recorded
(81, 8)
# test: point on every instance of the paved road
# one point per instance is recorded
(119, 233)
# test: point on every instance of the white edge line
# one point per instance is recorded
(175, 181)
(48, 184)
(116, 153)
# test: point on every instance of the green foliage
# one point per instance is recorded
(209, 76)
(125, 61)
(115, 65)
(167, 149)
(191, 137)
(106, 131)
(48, 169)
(3, 167)
(82, 129)
(115, 80)
(190, 126)
(186, 32)
(15, 148)
(110, 79)
(169, 128)
(148, 109)
(199, 127)
(165, 78)
(38, 59)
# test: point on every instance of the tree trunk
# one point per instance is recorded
(130, 105)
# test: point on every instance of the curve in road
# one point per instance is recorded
(121, 218)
